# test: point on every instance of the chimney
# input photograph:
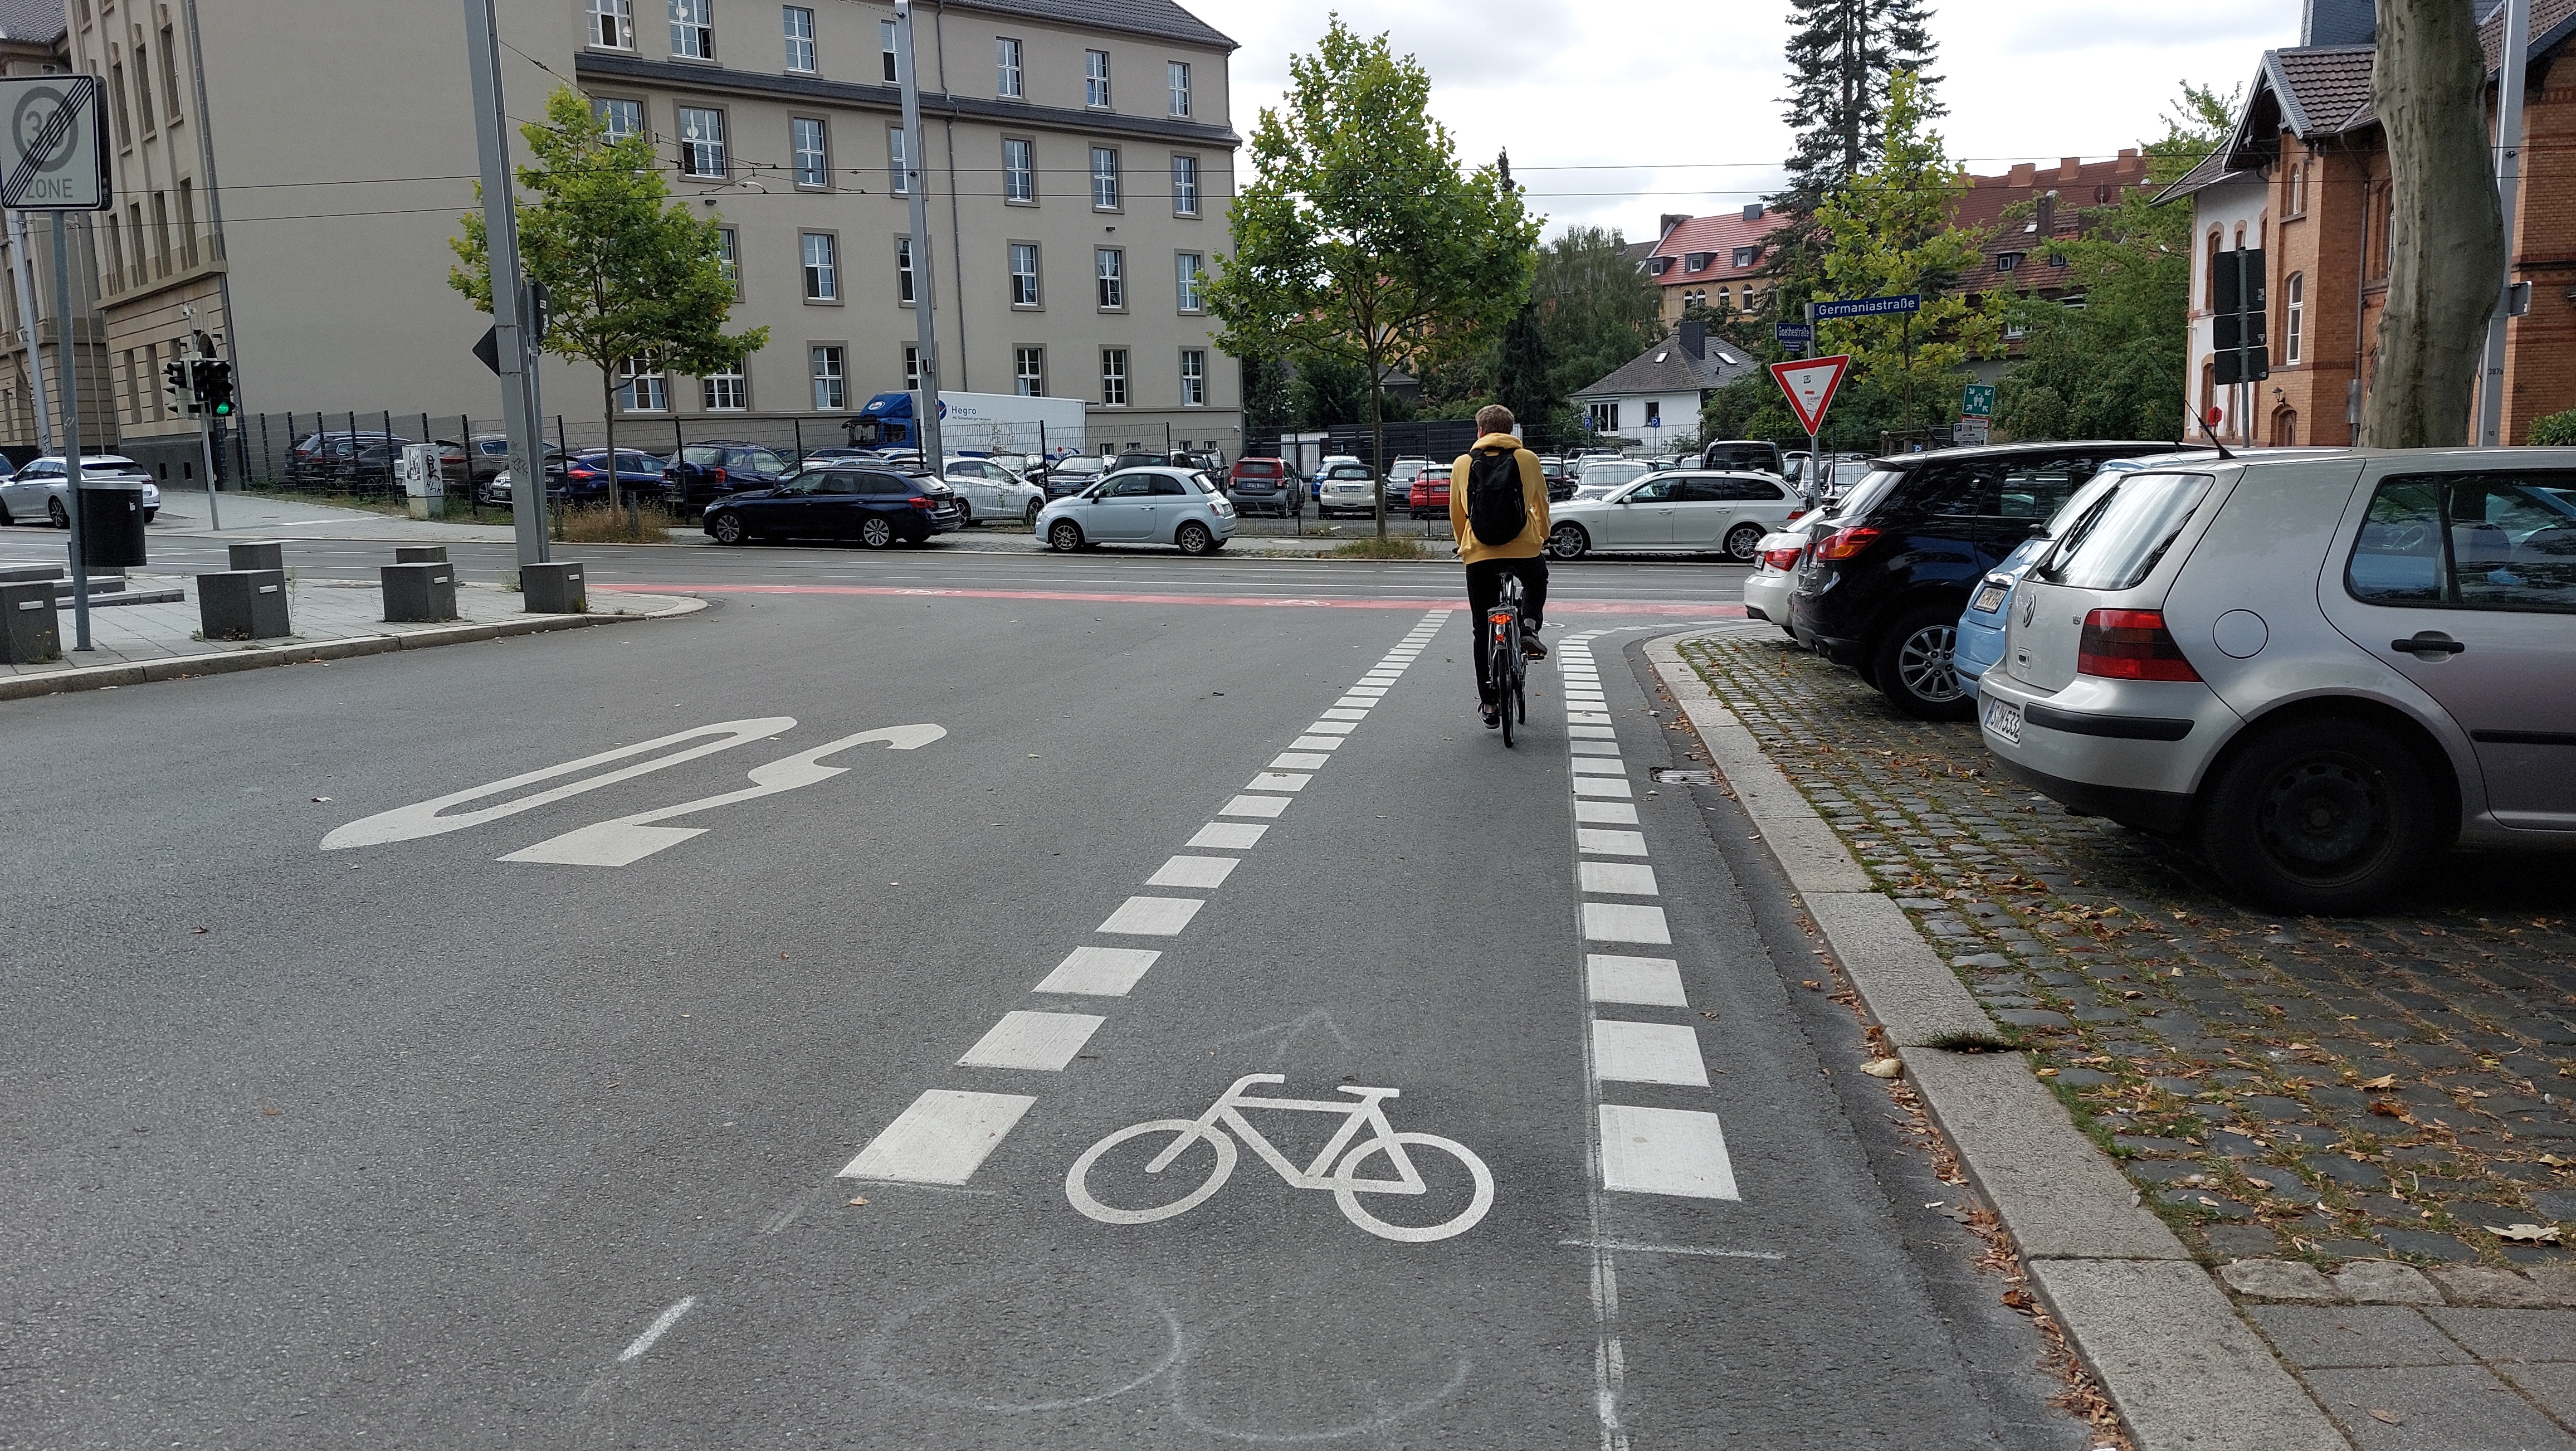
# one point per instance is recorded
(2021, 174)
(1670, 221)
(2069, 167)
(1753, 211)
(1694, 337)
(2047, 221)
(2338, 22)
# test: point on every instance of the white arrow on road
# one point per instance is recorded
(630, 839)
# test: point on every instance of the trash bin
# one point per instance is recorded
(111, 519)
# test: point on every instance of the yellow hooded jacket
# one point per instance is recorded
(1533, 538)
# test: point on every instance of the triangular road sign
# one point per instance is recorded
(1810, 384)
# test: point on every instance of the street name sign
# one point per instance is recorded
(1810, 384)
(1870, 306)
(55, 157)
(1792, 334)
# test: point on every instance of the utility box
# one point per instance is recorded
(29, 634)
(420, 554)
(424, 486)
(243, 604)
(419, 593)
(112, 521)
(259, 554)
(554, 589)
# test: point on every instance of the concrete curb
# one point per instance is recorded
(254, 657)
(2159, 1335)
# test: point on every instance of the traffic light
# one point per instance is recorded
(2236, 329)
(178, 386)
(215, 387)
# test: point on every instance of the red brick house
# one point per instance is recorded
(1712, 261)
(2304, 176)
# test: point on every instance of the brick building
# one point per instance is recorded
(1712, 261)
(2304, 177)
(2046, 204)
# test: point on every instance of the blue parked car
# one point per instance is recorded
(639, 475)
(1980, 643)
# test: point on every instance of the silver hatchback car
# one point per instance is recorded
(1152, 505)
(2318, 668)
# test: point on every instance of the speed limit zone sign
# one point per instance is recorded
(55, 156)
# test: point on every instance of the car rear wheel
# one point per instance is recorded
(1029, 516)
(876, 532)
(2318, 816)
(55, 516)
(727, 529)
(1568, 541)
(1065, 537)
(1194, 538)
(1913, 668)
(1741, 541)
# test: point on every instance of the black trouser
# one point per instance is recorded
(1485, 588)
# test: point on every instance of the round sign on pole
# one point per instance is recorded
(56, 155)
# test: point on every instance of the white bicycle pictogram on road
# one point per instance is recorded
(1343, 1178)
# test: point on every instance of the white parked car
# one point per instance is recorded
(1152, 504)
(2317, 668)
(987, 490)
(1348, 487)
(42, 490)
(1600, 477)
(1690, 511)
(1775, 565)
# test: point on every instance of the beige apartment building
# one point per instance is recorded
(295, 197)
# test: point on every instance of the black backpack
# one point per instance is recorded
(1496, 508)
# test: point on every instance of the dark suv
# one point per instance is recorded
(705, 471)
(1881, 584)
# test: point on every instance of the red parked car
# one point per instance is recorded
(1266, 485)
(1430, 496)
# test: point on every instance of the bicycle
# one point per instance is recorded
(1343, 1180)
(1507, 662)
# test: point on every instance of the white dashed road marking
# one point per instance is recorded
(1647, 1053)
(942, 1139)
(1652, 981)
(1194, 871)
(1254, 806)
(1044, 1042)
(1229, 835)
(654, 1331)
(1153, 916)
(1665, 1151)
(1106, 972)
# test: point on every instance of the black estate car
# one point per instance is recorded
(874, 506)
(1881, 584)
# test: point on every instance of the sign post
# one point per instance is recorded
(56, 161)
(513, 352)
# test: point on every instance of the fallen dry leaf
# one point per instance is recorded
(862, 1199)
(2385, 1109)
(2387, 1418)
(1812, 984)
(2555, 1162)
(2381, 1083)
(1883, 1068)
(2526, 1233)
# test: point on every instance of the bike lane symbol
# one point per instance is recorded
(1343, 1178)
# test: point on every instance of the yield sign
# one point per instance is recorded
(1810, 384)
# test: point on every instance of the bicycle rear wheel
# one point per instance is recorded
(1077, 1189)
(1507, 657)
(1348, 1186)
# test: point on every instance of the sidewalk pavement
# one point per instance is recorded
(2258, 1167)
(332, 619)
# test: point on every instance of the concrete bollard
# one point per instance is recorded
(243, 604)
(554, 589)
(419, 593)
(29, 633)
(259, 554)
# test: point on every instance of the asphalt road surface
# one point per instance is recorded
(750, 1085)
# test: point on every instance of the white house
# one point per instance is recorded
(1657, 394)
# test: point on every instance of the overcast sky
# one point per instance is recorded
(1616, 111)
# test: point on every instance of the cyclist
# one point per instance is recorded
(1498, 511)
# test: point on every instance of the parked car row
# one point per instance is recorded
(40, 493)
(2315, 667)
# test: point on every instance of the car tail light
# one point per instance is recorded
(720, 476)
(1797, 514)
(1783, 560)
(1844, 543)
(921, 501)
(2130, 645)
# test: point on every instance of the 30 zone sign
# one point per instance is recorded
(55, 159)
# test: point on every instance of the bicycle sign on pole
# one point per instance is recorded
(1333, 1169)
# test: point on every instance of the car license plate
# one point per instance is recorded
(1989, 599)
(2004, 719)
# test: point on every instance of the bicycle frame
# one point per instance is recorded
(1369, 1111)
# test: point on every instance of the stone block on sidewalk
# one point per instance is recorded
(243, 604)
(554, 589)
(2386, 1282)
(29, 632)
(258, 554)
(2278, 1280)
(2478, 1285)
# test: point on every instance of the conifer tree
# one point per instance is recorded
(1843, 57)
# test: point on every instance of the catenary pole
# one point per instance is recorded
(21, 264)
(925, 290)
(2508, 168)
(509, 286)
(65, 372)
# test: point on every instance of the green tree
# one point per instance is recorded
(1269, 401)
(1596, 310)
(1844, 57)
(1521, 377)
(1361, 238)
(1888, 231)
(626, 277)
(1330, 391)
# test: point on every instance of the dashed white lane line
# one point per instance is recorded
(1623, 879)
(1315, 743)
(1102, 972)
(1647, 981)
(1598, 766)
(1229, 835)
(1647, 1053)
(1625, 922)
(1254, 806)
(1603, 786)
(1155, 916)
(1299, 761)
(941, 1139)
(1346, 713)
(1334, 727)
(1042, 1042)
(655, 1331)
(1278, 781)
(1194, 871)
(1593, 748)
(1665, 1151)
(1610, 843)
(1614, 813)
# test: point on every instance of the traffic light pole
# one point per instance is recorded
(206, 441)
(925, 408)
(510, 323)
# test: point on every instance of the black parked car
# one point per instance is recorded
(1881, 584)
(874, 506)
(704, 471)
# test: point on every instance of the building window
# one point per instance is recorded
(813, 159)
(1009, 81)
(619, 119)
(1189, 275)
(728, 259)
(1095, 78)
(702, 142)
(640, 387)
(693, 29)
(143, 87)
(1024, 274)
(1029, 367)
(898, 162)
(1193, 377)
(831, 391)
(124, 122)
(1112, 270)
(903, 269)
(1104, 179)
(886, 51)
(115, 256)
(2299, 190)
(2294, 321)
(187, 222)
(170, 73)
(1178, 73)
(1113, 377)
(1019, 170)
(822, 266)
(796, 22)
(911, 368)
(1604, 417)
(725, 392)
(2209, 276)
(1185, 186)
(2008, 261)
(612, 24)
(1746, 256)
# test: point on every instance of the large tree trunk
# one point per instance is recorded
(2446, 235)
(1377, 442)
(608, 428)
